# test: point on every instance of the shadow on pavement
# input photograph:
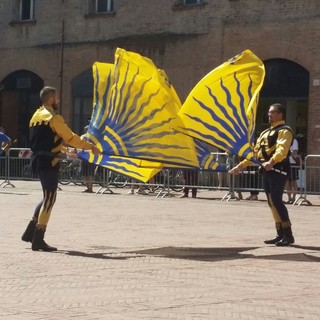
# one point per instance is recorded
(201, 254)
(220, 254)
(95, 255)
(312, 248)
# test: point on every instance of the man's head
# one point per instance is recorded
(277, 112)
(49, 97)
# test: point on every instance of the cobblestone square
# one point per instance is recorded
(128, 257)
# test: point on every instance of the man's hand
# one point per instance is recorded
(95, 150)
(69, 153)
(235, 170)
(267, 165)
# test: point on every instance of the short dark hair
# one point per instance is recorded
(47, 92)
(280, 108)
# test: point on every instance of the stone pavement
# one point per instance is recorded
(133, 257)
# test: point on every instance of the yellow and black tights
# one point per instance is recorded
(274, 184)
(49, 183)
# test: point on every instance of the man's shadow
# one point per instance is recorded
(202, 254)
(229, 253)
(103, 256)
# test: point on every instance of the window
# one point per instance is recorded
(192, 1)
(27, 10)
(82, 88)
(98, 8)
(23, 11)
(188, 4)
(104, 6)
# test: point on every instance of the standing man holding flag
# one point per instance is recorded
(273, 150)
(48, 132)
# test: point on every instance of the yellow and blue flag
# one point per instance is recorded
(137, 110)
(221, 108)
(208, 160)
(134, 168)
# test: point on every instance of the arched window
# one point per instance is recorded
(19, 100)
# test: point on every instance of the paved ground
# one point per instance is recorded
(132, 257)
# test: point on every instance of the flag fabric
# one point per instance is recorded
(221, 108)
(137, 169)
(134, 168)
(208, 160)
(136, 112)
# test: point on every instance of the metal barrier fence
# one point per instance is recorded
(16, 165)
(250, 180)
(310, 177)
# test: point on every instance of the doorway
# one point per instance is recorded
(19, 98)
(286, 82)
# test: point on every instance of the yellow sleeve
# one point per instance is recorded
(59, 126)
(246, 163)
(284, 141)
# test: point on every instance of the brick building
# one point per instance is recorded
(56, 42)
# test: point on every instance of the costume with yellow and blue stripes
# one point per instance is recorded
(48, 131)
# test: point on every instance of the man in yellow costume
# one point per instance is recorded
(273, 151)
(48, 131)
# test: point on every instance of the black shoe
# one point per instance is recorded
(287, 238)
(39, 244)
(274, 240)
(284, 242)
(277, 238)
(184, 196)
(43, 246)
(29, 232)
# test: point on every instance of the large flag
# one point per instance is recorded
(221, 108)
(139, 113)
(135, 168)
(135, 108)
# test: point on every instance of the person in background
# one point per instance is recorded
(253, 195)
(48, 131)
(191, 179)
(142, 189)
(254, 183)
(272, 150)
(291, 184)
(5, 141)
(223, 160)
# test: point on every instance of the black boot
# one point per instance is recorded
(277, 238)
(38, 243)
(287, 238)
(28, 234)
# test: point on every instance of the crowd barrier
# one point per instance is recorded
(310, 177)
(16, 165)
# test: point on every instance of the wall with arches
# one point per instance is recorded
(188, 43)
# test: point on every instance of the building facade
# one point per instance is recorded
(56, 42)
